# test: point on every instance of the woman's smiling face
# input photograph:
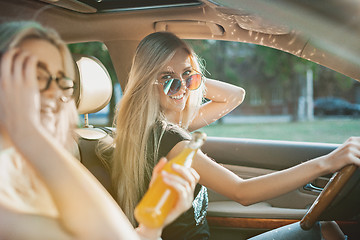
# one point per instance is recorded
(50, 102)
(178, 67)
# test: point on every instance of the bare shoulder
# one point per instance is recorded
(177, 149)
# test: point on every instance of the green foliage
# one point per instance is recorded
(327, 130)
(345, 83)
(98, 50)
(262, 68)
(265, 73)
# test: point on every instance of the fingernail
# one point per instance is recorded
(165, 177)
(176, 166)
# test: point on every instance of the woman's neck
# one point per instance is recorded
(174, 117)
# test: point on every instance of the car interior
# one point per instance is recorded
(304, 29)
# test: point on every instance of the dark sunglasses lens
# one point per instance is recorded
(172, 86)
(193, 82)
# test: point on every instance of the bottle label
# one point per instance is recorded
(162, 201)
(189, 159)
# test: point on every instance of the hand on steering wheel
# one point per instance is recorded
(331, 190)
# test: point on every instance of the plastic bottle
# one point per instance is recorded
(160, 197)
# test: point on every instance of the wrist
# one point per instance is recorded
(146, 233)
(323, 165)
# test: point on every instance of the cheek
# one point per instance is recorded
(164, 100)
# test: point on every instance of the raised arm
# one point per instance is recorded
(223, 98)
(85, 210)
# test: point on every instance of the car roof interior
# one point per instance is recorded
(278, 24)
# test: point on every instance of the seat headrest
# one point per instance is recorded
(94, 86)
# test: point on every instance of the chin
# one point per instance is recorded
(178, 107)
(49, 121)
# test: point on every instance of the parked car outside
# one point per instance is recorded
(335, 106)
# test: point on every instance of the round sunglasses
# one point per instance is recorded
(173, 85)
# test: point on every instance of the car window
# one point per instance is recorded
(98, 49)
(287, 98)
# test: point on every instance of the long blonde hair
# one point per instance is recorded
(139, 110)
(19, 181)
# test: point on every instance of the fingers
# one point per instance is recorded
(347, 153)
(189, 174)
(178, 183)
(185, 182)
(19, 94)
(30, 71)
(183, 188)
(352, 142)
(7, 66)
(157, 169)
(18, 68)
(160, 165)
(352, 147)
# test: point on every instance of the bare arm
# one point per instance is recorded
(260, 188)
(85, 209)
(223, 98)
(18, 226)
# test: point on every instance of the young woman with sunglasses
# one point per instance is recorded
(162, 103)
(45, 193)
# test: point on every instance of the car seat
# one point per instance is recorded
(93, 92)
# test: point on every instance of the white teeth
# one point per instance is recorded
(177, 97)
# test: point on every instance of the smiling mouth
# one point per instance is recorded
(178, 97)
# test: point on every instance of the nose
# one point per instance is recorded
(183, 83)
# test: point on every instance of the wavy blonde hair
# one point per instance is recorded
(139, 110)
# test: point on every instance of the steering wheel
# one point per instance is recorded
(332, 188)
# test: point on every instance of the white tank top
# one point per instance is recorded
(20, 187)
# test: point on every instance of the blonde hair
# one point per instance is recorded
(139, 110)
(20, 183)
(12, 34)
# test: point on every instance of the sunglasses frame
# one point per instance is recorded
(164, 83)
(50, 78)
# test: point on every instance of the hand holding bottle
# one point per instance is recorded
(170, 194)
(184, 185)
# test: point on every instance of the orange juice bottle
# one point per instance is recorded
(160, 197)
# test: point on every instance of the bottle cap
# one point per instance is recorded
(198, 139)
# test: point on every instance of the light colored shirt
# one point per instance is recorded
(20, 187)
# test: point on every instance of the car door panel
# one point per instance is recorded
(267, 154)
(250, 158)
(296, 200)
